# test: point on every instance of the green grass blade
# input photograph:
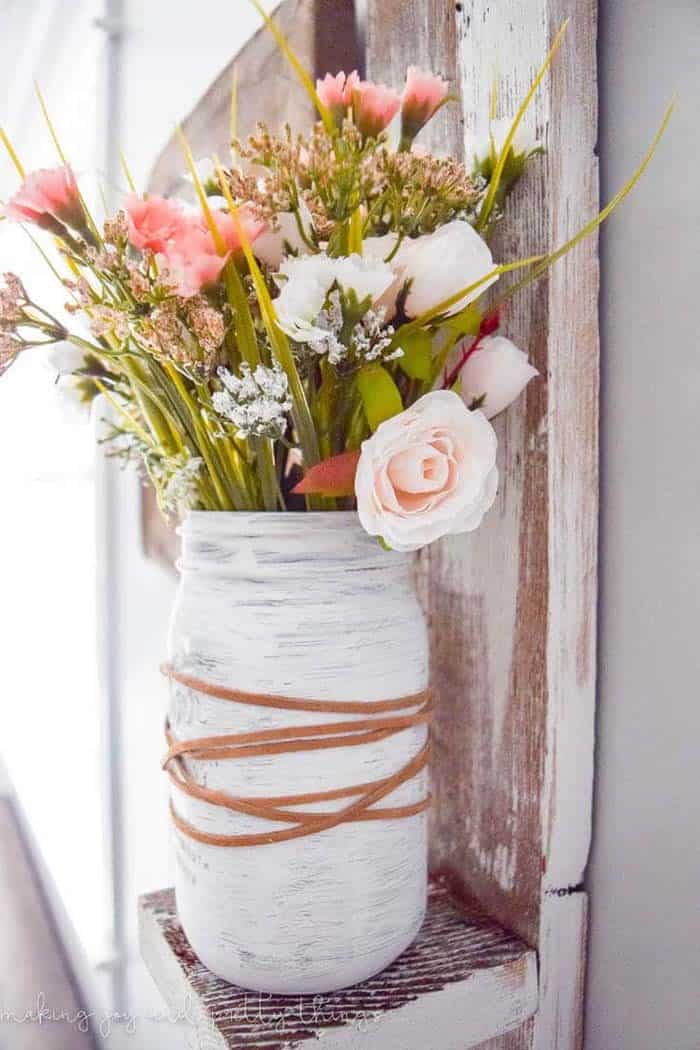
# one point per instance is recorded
(495, 179)
(218, 240)
(11, 153)
(550, 259)
(297, 66)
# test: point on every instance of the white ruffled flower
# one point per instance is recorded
(309, 280)
(257, 401)
(369, 340)
(494, 375)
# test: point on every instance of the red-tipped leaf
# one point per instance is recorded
(331, 477)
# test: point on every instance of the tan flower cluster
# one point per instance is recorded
(206, 322)
(116, 230)
(421, 192)
(188, 332)
(106, 321)
(13, 298)
(10, 346)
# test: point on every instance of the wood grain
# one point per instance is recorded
(463, 979)
(512, 606)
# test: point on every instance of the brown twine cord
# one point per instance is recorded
(292, 739)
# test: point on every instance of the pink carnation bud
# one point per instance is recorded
(47, 197)
(374, 107)
(335, 92)
(152, 221)
(423, 94)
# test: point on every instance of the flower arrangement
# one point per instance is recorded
(322, 331)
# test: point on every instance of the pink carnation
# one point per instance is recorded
(374, 107)
(152, 221)
(423, 94)
(45, 197)
(335, 92)
(191, 256)
(229, 230)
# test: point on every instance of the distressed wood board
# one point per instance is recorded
(464, 980)
(512, 606)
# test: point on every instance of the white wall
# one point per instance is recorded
(644, 971)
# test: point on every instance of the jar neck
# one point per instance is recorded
(285, 545)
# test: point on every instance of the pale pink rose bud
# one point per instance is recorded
(374, 107)
(494, 375)
(423, 95)
(428, 472)
(47, 197)
(152, 221)
(335, 92)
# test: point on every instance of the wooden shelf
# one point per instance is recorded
(465, 978)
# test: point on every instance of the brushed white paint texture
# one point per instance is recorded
(302, 605)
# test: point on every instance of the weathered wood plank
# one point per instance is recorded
(463, 980)
(512, 606)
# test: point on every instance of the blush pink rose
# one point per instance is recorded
(374, 107)
(335, 92)
(428, 472)
(423, 95)
(45, 196)
(152, 221)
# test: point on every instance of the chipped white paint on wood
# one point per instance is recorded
(512, 606)
(464, 980)
(303, 605)
(559, 1021)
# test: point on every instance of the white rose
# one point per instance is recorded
(440, 264)
(498, 372)
(269, 247)
(428, 472)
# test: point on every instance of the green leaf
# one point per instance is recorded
(380, 396)
(417, 354)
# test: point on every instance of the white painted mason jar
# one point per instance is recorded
(297, 605)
